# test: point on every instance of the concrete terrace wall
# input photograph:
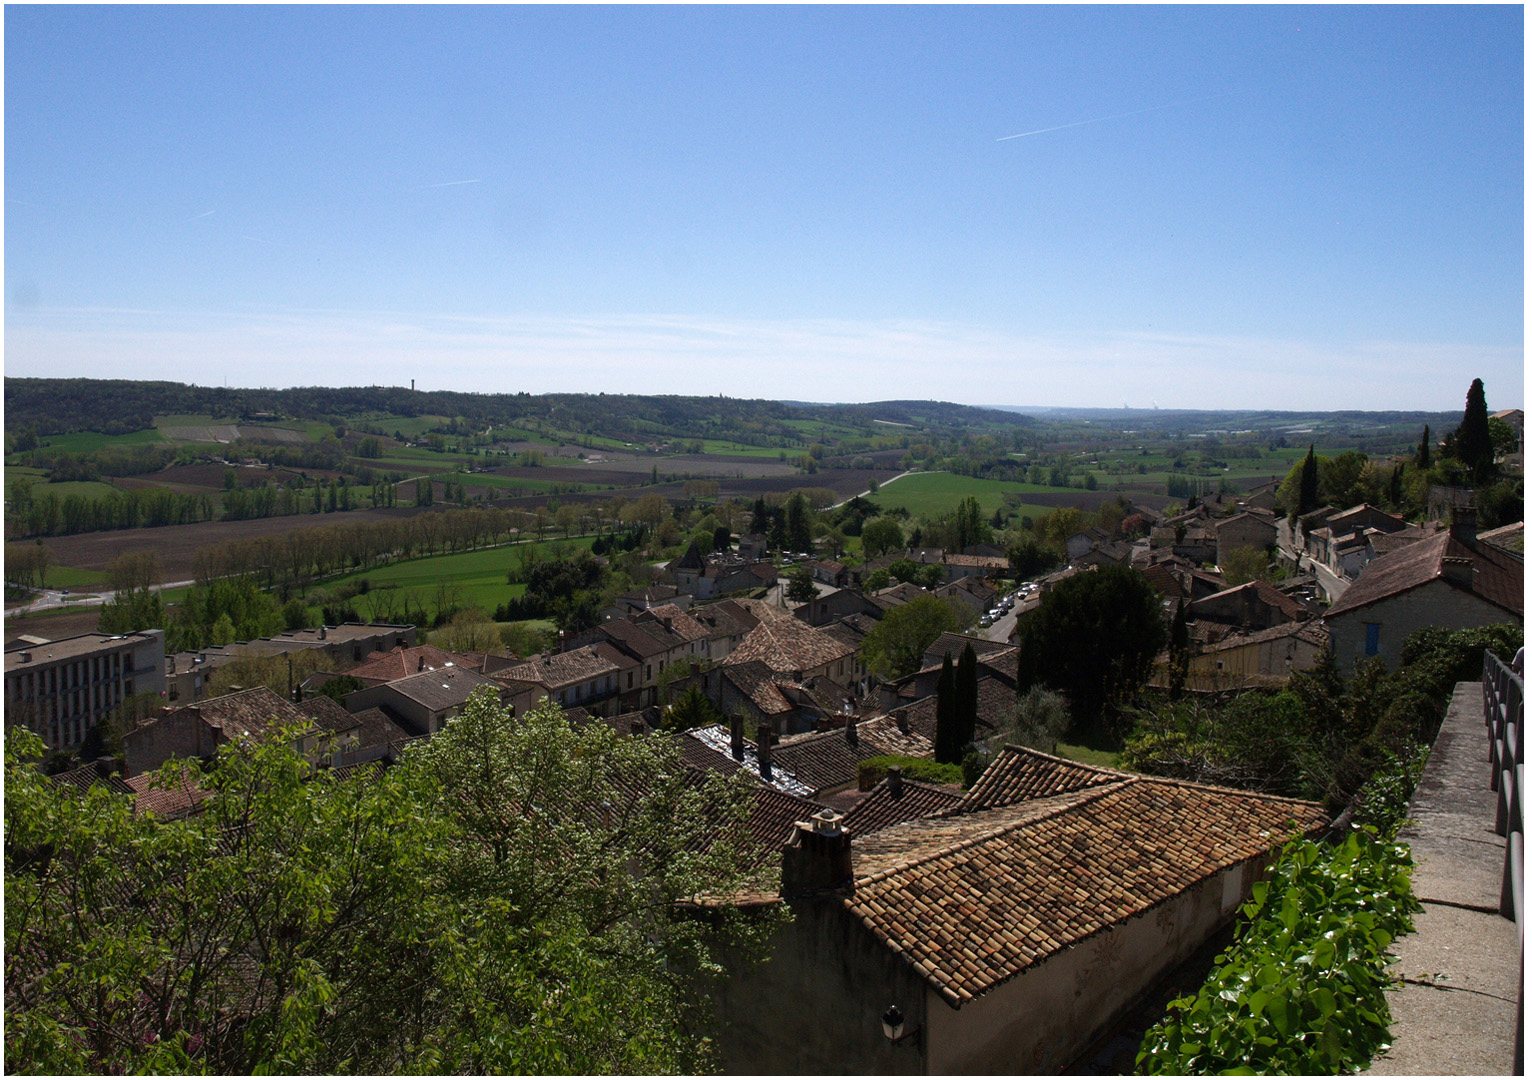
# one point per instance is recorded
(1046, 1017)
(816, 1006)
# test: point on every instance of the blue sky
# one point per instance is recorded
(1244, 207)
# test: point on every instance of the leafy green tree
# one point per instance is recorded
(894, 647)
(338, 687)
(691, 709)
(800, 585)
(1093, 637)
(1244, 564)
(501, 901)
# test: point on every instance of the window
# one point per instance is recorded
(1372, 630)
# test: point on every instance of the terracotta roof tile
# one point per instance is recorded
(1019, 773)
(880, 809)
(786, 645)
(1497, 574)
(971, 900)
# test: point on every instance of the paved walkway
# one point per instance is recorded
(1455, 1013)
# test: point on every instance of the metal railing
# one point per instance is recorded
(1503, 713)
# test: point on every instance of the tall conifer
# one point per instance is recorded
(947, 744)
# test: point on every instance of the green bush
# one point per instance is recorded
(1302, 990)
(870, 772)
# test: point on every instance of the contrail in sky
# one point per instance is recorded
(449, 183)
(1100, 119)
(208, 213)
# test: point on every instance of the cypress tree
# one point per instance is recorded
(947, 744)
(1474, 447)
(1308, 484)
(1180, 656)
(1423, 455)
(967, 695)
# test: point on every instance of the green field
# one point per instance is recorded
(83, 442)
(929, 494)
(91, 489)
(479, 576)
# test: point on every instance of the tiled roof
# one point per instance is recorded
(724, 619)
(757, 682)
(1511, 537)
(443, 688)
(374, 728)
(682, 624)
(89, 776)
(997, 705)
(972, 900)
(633, 637)
(1310, 632)
(949, 642)
(825, 759)
(772, 818)
(401, 662)
(884, 731)
(786, 645)
(1497, 574)
(247, 712)
(327, 713)
(1266, 594)
(880, 809)
(1001, 666)
(712, 751)
(554, 670)
(700, 753)
(1019, 773)
(176, 801)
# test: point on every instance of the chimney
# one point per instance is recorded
(26, 656)
(902, 718)
(1465, 525)
(763, 750)
(851, 730)
(895, 781)
(420, 663)
(666, 621)
(324, 632)
(817, 859)
(1458, 572)
(737, 737)
(170, 664)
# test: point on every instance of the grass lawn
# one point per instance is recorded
(68, 577)
(82, 442)
(90, 489)
(929, 494)
(478, 576)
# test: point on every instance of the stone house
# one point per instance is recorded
(592, 677)
(1254, 605)
(422, 704)
(198, 730)
(1244, 530)
(835, 605)
(1010, 930)
(1250, 659)
(1449, 580)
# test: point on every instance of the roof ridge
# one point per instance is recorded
(1084, 795)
